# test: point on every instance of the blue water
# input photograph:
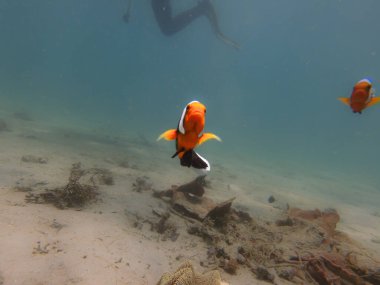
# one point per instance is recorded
(273, 101)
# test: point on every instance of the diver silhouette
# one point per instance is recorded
(171, 24)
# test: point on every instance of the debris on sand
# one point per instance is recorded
(80, 190)
(124, 163)
(22, 115)
(262, 273)
(3, 126)
(302, 246)
(164, 227)
(161, 222)
(56, 225)
(188, 200)
(327, 219)
(47, 248)
(34, 159)
(186, 275)
(142, 184)
(199, 208)
(194, 187)
(101, 176)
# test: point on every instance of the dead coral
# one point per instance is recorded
(186, 275)
(76, 193)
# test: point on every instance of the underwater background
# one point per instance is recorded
(273, 102)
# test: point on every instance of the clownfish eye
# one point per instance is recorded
(205, 111)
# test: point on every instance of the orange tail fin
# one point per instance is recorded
(373, 101)
(208, 136)
(344, 100)
(169, 135)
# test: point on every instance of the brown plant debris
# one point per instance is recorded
(81, 189)
(302, 246)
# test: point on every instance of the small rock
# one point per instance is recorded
(241, 259)
(271, 199)
(263, 274)
(286, 222)
(287, 273)
(375, 240)
(229, 265)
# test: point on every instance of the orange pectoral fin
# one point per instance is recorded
(169, 135)
(373, 101)
(344, 100)
(208, 136)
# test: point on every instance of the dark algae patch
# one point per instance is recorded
(81, 189)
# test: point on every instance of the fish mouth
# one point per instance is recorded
(196, 117)
(196, 121)
(196, 114)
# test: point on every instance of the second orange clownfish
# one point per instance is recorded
(362, 96)
(188, 136)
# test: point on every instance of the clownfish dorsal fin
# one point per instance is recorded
(208, 136)
(169, 135)
(344, 100)
(373, 101)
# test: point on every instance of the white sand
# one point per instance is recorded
(100, 245)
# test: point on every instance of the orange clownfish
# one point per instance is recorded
(362, 96)
(188, 136)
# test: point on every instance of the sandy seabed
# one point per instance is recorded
(111, 241)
